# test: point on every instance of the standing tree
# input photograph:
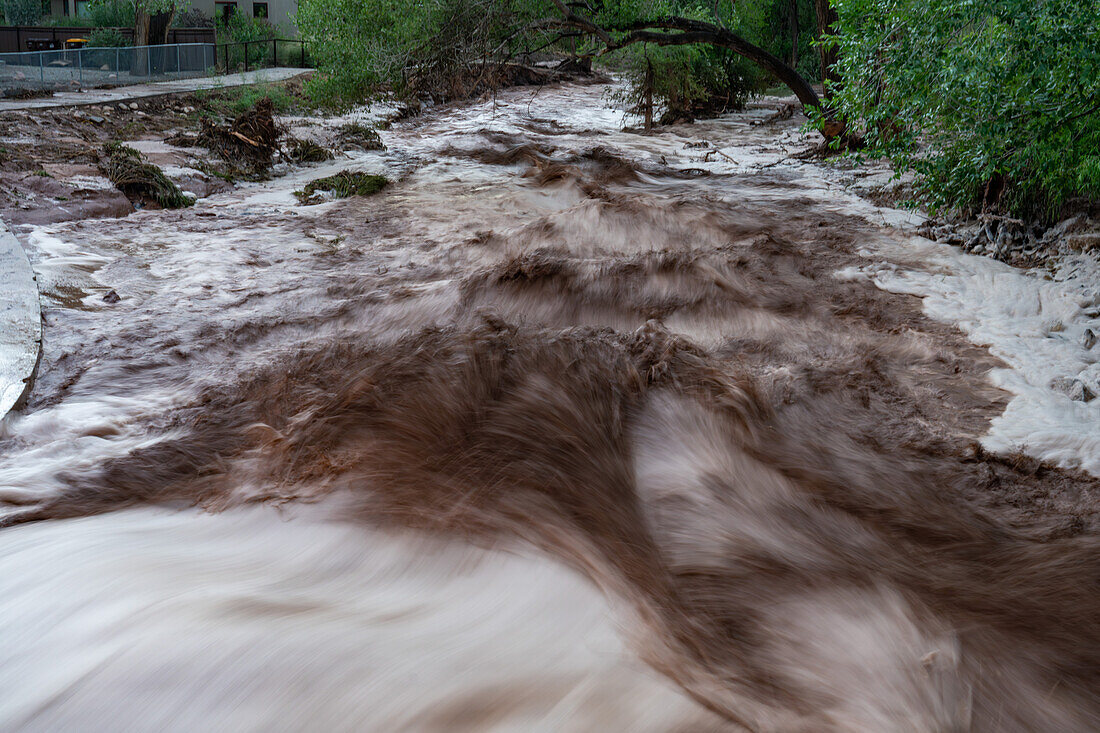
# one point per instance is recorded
(152, 19)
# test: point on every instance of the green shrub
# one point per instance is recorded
(111, 14)
(22, 12)
(239, 28)
(107, 38)
(993, 104)
(192, 18)
(689, 81)
(360, 46)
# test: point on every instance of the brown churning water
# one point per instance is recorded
(652, 376)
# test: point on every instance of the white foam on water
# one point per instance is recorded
(1035, 321)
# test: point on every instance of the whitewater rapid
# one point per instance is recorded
(279, 614)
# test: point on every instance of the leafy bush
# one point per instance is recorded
(994, 104)
(22, 12)
(362, 45)
(107, 38)
(239, 28)
(111, 14)
(192, 18)
(689, 81)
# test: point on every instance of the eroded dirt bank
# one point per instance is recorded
(662, 361)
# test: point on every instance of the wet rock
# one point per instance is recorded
(1066, 226)
(1084, 242)
(111, 297)
(1074, 388)
(96, 119)
(133, 105)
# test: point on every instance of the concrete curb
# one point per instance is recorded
(20, 323)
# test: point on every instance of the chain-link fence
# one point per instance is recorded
(79, 68)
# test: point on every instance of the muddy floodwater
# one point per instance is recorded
(569, 428)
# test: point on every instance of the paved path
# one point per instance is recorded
(20, 323)
(154, 89)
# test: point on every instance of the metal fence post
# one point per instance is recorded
(118, 63)
(178, 60)
(149, 61)
(246, 55)
(80, 67)
(302, 45)
(275, 53)
(42, 68)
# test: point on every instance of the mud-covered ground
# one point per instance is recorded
(567, 428)
(49, 158)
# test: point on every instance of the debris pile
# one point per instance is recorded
(142, 182)
(249, 142)
(356, 136)
(341, 185)
(1014, 241)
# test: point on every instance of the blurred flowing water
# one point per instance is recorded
(570, 428)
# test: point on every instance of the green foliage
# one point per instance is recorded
(56, 21)
(232, 101)
(342, 185)
(978, 97)
(306, 151)
(689, 81)
(239, 28)
(107, 38)
(192, 18)
(22, 12)
(111, 14)
(355, 135)
(360, 46)
(136, 178)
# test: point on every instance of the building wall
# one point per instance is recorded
(279, 12)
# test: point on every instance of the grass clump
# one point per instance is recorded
(354, 135)
(306, 151)
(233, 101)
(138, 179)
(342, 185)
